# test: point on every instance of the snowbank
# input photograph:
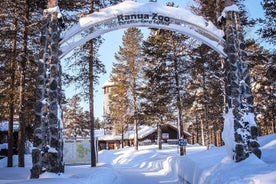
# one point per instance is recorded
(150, 166)
(215, 166)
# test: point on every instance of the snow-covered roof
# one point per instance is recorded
(143, 131)
(134, 14)
(108, 83)
(99, 132)
(175, 127)
(110, 137)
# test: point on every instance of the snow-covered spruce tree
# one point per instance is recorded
(130, 57)
(239, 100)
(48, 144)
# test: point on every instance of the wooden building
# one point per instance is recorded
(146, 135)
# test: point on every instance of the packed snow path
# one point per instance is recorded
(148, 165)
(145, 166)
(152, 166)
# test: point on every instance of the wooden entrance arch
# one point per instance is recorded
(133, 14)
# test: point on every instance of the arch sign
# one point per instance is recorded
(133, 14)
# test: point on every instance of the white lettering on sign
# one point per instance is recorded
(182, 142)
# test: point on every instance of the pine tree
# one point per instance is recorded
(130, 62)
(155, 94)
(206, 8)
(267, 29)
(177, 62)
(210, 9)
(260, 63)
(24, 66)
(207, 96)
(119, 101)
(22, 83)
(74, 119)
(89, 67)
(206, 76)
(9, 49)
(166, 74)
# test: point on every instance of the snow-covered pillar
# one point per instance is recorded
(48, 145)
(240, 131)
(55, 154)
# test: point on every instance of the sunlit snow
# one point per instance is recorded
(151, 166)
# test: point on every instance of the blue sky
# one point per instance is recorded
(114, 39)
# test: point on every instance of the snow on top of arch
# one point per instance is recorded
(129, 6)
(135, 7)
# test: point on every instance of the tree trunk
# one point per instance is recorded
(11, 102)
(159, 135)
(22, 125)
(122, 137)
(136, 116)
(21, 132)
(179, 106)
(91, 105)
(10, 131)
(197, 130)
(136, 141)
(206, 110)
(91, 97)
(202, 133)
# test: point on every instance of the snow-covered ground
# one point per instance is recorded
(150, 166)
